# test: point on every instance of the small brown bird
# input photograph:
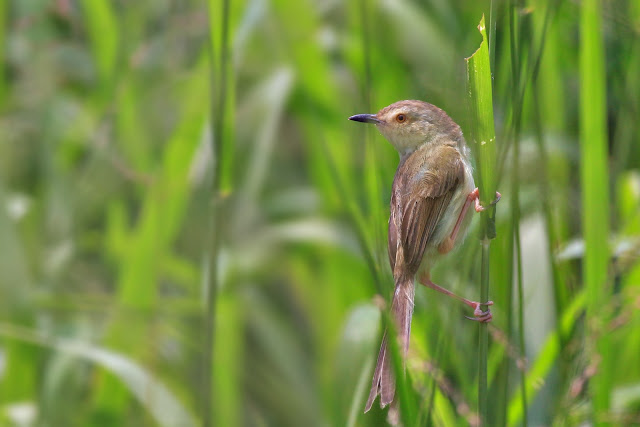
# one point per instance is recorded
(432, 190)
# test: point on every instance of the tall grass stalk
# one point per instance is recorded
(483, 135)
(594, 179)
(519, 85)
(219, 84)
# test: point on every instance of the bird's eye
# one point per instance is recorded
(400, 118)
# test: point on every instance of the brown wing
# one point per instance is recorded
(422, 189)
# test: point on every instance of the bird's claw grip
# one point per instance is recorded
(479, 315)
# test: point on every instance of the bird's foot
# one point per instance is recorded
(475, 196)
(480, 315)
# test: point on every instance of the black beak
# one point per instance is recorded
(365, 118)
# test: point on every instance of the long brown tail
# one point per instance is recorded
(383, 382)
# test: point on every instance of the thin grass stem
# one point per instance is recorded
(218, 104)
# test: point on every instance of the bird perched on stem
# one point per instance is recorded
(432, 190)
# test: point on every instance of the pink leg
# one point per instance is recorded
(479, 315)
(474, 196)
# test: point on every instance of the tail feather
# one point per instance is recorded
(383, 382)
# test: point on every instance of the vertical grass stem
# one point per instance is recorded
(483, 136)
(218, 103)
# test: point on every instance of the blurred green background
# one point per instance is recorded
(192, 233)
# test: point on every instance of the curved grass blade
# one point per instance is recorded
(161, 403)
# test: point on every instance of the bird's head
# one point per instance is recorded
(410, 124)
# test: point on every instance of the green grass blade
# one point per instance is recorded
(483, 131)
(483, 136)
(518, 61)
(164, 406)
(103, 33)
(3, 83)
(594, 180)
(219, 67)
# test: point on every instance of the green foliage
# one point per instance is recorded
(193, 233)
